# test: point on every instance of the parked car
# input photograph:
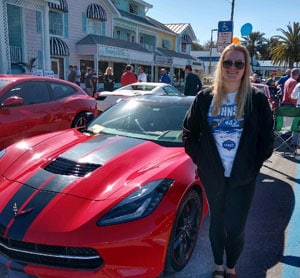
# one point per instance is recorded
(118, 199)
(106, 99)
(32, 105)
(273, 100)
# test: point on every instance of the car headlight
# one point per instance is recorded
(138, 204)
(2, 152)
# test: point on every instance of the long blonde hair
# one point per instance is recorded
(244, 93)
(108, 71)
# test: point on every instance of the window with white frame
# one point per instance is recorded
(56, 23)
(94, 27)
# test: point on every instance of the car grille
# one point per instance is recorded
(58, 256)
(68, 167)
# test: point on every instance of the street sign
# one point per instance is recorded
(225, 32)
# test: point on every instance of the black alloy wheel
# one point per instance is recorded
(80, 121)
(184, 232)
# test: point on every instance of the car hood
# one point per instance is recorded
(55, 187)
(89, 167)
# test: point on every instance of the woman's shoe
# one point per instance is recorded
(218, 274)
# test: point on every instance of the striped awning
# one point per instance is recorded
(95, 11)
(53, 1)
(58, 47)
(62, 6)
(186, 39)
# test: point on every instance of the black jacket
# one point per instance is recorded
(192, 84)
(256, 143)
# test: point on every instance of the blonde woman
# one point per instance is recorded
(109, 79)
(228, 132)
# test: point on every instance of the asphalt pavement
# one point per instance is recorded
(272, 247)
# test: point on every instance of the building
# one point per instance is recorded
(46, 36)
(210, 58)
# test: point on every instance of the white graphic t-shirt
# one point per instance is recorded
(227, 131)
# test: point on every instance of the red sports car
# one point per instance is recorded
(118, 199)
(32, 105)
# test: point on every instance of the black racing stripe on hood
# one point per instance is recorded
(22, 222)
(8, 212)
(101, 149)
(35, 206)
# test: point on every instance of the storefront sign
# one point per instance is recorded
(104, 50)
(163, 60)
(123, 53)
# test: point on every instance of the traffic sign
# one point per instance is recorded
(225, 33)
(225, 26)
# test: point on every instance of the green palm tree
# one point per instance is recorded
(287, 51)
(255, 43)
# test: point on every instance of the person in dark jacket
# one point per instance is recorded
(109, 79)
(228, 133)
(192, 83)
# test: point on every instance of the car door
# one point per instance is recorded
(35, 116)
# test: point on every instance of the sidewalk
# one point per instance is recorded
(272, 247)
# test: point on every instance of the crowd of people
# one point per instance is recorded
(192, 83)
(286, 89)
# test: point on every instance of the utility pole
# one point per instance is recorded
(232, 10)
(210, 49)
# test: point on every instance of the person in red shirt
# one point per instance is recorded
(289, 86)
(128, 77)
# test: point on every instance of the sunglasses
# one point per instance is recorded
(227, 64)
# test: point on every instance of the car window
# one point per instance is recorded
(143, 87)
(159, 122)
(32, 92)
(171, 91)
(61, 90)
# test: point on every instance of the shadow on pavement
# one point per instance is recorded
(271, 211)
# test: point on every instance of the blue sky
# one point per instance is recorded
(265, 16)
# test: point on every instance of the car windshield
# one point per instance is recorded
(139, 87)
(160, 122)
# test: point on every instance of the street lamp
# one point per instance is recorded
(210, 50)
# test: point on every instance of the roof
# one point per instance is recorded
(160, 25)
(180, 28)
(177, 28)
(96, 39)
(172, 53)
(136, 18)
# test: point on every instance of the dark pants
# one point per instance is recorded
(228, 213)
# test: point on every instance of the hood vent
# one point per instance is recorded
(62, 166)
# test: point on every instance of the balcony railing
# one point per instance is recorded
(15, 54)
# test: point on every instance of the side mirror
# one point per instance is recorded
(89, 117)
(13, 101)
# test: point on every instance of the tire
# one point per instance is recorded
(80, 121)
(184, 232)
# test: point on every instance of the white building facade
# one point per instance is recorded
(44, 36)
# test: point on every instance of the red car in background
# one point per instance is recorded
(273, 102)
(32, 105)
